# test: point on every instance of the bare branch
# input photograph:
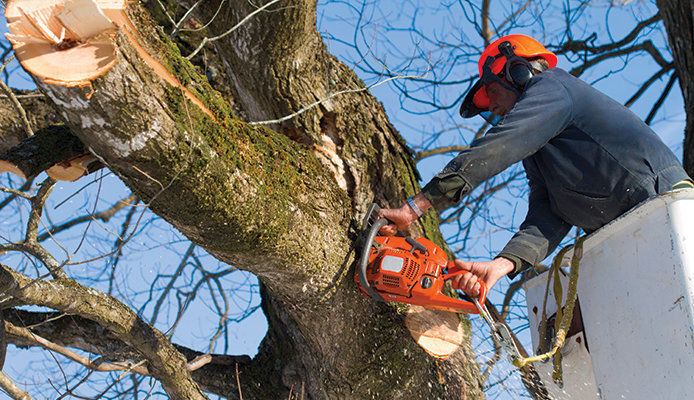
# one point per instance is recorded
(12, 389)
(439, 150)
(37, 203)
(16, 192)
(97, 365)
(661, 99)
(165, 362)
(486, 33)
(647, 84)
(185, 18)
(511, 17)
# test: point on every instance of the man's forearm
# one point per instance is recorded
(445, 192)
(421, 202)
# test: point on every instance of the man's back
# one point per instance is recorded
(601, 160)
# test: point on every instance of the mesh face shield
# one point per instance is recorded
(476, 101)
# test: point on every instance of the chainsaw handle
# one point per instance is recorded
(366, 248)
(459, 271)
(416, 245)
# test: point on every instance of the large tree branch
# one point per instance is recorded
(213, 372)
(164, 362)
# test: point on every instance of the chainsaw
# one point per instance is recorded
(407, 270)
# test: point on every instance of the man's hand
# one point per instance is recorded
(401, 218)
(488, 272)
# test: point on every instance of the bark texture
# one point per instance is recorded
(39, 113)
(678, 17)
(45, 148)
(278, 201)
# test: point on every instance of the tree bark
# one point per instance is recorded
(39, 113)
(678, 17)
(45, 148)
(278, 203)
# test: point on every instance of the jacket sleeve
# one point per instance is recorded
(542, 112)
(542, 230)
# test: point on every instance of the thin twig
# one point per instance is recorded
(16, 193)
(316, 103)
(238, 382)
(15, 103)
(221, 4)
(103, 215)
(184, 18)
(233, 28)
(23, 96)
(439, 150)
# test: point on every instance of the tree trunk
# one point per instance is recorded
(278, 203)
(678, 17)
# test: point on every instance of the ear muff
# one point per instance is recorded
(518, 70)
(519, 74)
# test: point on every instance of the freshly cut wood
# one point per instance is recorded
(64, 42)
(439, 333)
(75, 168)
(7, 166)
(47, 147)
(71, 42)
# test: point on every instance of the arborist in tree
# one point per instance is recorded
(588, 159)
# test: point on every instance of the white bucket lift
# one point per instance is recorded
(636, 298)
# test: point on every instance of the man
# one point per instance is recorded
(588, 159)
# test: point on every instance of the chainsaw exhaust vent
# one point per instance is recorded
(391, 280)
(411, 269)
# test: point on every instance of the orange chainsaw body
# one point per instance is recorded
(414, 273)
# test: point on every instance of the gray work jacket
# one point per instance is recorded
(588, 159)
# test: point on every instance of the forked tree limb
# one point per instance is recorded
(165, 362)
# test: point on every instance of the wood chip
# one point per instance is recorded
(84, 19)
(439, 333)
(71, 170)
(6, 166)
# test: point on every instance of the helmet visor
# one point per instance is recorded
(477, 100)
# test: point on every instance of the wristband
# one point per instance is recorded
(413, 206)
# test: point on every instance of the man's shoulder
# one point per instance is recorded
(556, 74)
(559, 80)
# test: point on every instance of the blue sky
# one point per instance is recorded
(385, 44)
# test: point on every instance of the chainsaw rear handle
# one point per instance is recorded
(459, 271)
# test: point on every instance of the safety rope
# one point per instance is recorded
(564, 314)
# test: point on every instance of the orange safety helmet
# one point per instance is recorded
(509, 55)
